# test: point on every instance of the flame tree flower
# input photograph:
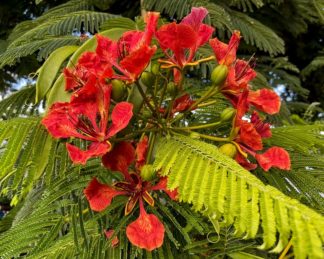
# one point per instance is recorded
(86, 117)
(146, 231)
(180, 42)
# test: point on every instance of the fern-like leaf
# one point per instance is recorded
(218, 186)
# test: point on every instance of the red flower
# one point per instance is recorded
(274, 157)
(146, 232)
(131, 53)
(247, 136)
(226, 53)
(86, 117)
(100, 196)
(183, 39)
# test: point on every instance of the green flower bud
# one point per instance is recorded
(147, 172)
(172, 88)
(119, 90)
(227, 114)
(219, 74)
(228, 149)
(155, 68)
(148, 78)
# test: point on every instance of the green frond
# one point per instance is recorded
(20, 103)
(25, 145)
(69, 228)
(51, 33)
(247, 5)
(58, 11)
(257, 34)
(304, 139)
(215, 184)
(171, 7)
(219, 16)
(315, 64)
(45, 47)
(65, 24)
(122, 22)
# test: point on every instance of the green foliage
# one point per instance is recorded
(20, 103)
(257, 34)
(48, 71)
(316, 63)
(45, 45)
(25, 147)
(215, 184)
(52, 30)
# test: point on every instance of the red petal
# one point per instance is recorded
(59, 122)
(182, 103)
(151, 20)
(136, 61)
(262, 128)
(274, 157)
(130, 41)
(265, 100)
(195, 19)
(120, 116)
(140, 152)
(178, 38)
(120, 157)
(109, 233)
(91, 99)
(226, 53)
(147, 232)
(106, 49)
(244, 162)
(71, 81)
(162, 185)
(241, 106)
(95, 149)
(99, 195)
(248, 136)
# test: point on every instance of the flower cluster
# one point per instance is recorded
(94, 116)
(247, 136)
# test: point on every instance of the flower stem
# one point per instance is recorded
(202, 126)
(151, 146)
(218, 139)
(145, 98)
(285, 251)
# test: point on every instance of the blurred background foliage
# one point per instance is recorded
(289, 31)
